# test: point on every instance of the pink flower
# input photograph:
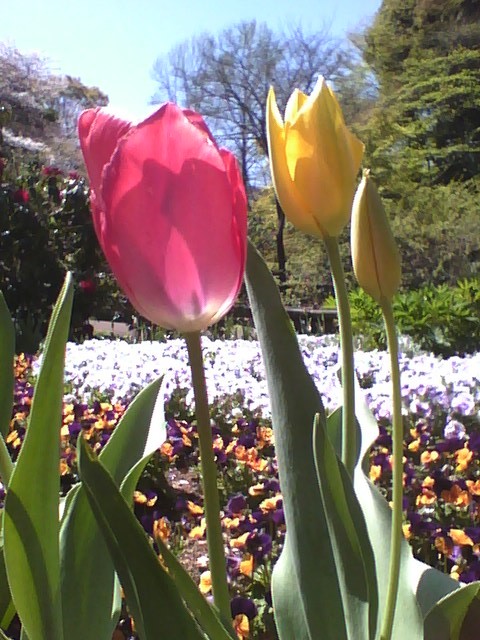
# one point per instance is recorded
(87, 286)
(52, 171)
(74, 175)
(21, 196)
(170, 213)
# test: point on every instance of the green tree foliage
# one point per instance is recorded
(427, 131)
(309, 280)
(422, 134)
(425, 128)
(406, 29)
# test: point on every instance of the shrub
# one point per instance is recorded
(45, 230)
(441, 319)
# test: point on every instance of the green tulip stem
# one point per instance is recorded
(216, 548)
(6, 464)
(397, 473)
(349, 434)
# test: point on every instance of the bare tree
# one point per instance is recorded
(226, 77)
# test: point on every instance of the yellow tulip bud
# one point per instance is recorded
(314, 160)
(375, 256)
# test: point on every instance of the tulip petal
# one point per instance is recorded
(239, 225)
(320, 160)
(357, 149)
(197, 120)
(292, 204)
(294, 105)
(168, 217)
(375, 256)
(99, 133)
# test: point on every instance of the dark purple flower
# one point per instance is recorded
(147, 520)
(272, 485)
(278, 516)
(449, 446)
(247, 440)
(240, 605)
(472, 573)
(259, 545)
(419, 525)
(181, 504)
(473, 533)
(474, 441)
(441, 483)
(79, 410)
(74, 428)
(236, 504)
(220, 455)
(104, 438)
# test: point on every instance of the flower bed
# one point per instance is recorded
(442, 473)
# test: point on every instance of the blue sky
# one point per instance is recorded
(113, 44)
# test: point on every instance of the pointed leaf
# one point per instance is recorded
(31, 524)
(7, 610)
(420, 586)
(153, 599)
(306, 581)
(7, 353)
(455, 617)
(91, 604)
(334, 432)
(368, 426)
(352, 550)
(206, 616)
(430, 585)
(290, 615)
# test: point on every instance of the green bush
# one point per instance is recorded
(442, 319)
(45, 230)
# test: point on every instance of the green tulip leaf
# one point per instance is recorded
(31, 522)
(368, 427)
(352, 550)
(7, 353)
(206, 615)
(456, 616)
(420, 586)
(306, 591)
(334, 432)
(7, 609)
(334, 429)
(91, 603)
(152, 597)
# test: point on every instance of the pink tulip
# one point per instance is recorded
(170, 213)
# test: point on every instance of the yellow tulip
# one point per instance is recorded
(375, 256)
(314, 160)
